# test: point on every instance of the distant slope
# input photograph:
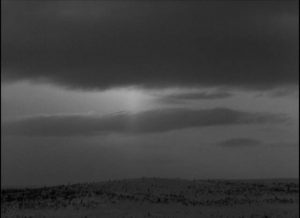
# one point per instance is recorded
(196, 192)
(156, 197)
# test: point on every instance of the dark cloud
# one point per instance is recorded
(240, 142)
(153, 121)
(103, 44)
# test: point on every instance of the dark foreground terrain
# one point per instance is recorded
(152, 197)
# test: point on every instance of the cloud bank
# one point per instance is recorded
(105, 44)
(240, 142)
(178, 97)
(152, 121)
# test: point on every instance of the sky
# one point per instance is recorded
(98, 90)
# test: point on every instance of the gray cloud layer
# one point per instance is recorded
(153, 121)
(240, 142)
(102, 44)
(178, 97)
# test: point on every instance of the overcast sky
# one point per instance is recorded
(97, 90)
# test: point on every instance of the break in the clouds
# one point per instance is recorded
(152, 121)
(104, 44)
(240, 142)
